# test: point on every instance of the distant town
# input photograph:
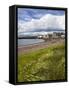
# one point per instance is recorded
(50, 35)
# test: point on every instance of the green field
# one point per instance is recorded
(43, 64)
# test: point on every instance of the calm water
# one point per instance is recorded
(22, 42)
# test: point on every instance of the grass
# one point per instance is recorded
(44, 64)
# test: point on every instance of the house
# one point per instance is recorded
(40, 36)
(63, 36)
(52, 35)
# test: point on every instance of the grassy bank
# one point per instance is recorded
(44, 64)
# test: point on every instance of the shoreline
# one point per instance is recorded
(37, 46)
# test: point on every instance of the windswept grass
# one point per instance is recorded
(44, 64)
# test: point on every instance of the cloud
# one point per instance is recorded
(26, 14)
(48, 21)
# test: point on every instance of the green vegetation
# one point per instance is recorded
(44, 64)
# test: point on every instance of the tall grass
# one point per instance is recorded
(43, 64)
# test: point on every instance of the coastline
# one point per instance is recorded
(37, 46)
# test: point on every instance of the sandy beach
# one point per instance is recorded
(35, 47)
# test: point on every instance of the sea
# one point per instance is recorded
(24, 42)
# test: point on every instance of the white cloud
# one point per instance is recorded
(47, 21)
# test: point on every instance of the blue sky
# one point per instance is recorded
(26, 14)
(40, 19)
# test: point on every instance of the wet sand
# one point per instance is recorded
(35, 47)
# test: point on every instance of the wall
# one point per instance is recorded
(4, 44)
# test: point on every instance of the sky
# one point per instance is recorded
(33, 20)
